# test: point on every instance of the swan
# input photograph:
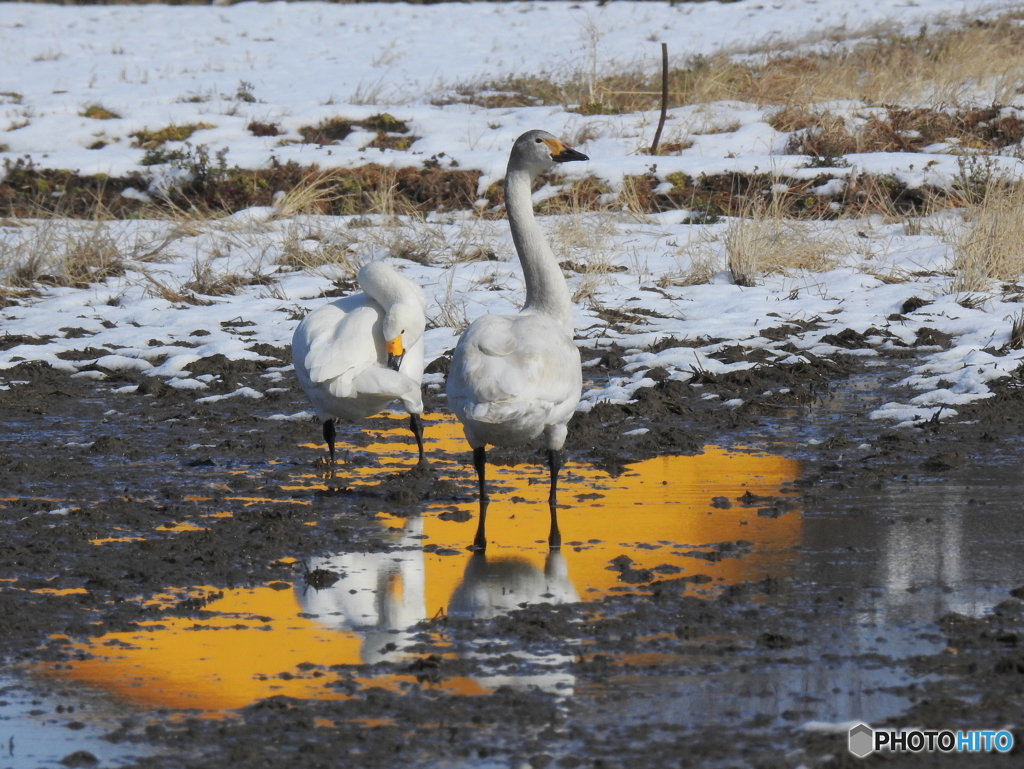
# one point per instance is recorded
(359, 353)
(514, 377)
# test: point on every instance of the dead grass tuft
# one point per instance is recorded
(334, 130)
(27, 191)
(1016, 341)
(763, 242)
(147, 139)
(99, 112)
(306, 248)
(698, 262)
(62, 254)
(256, 128)
(314, 193)
(827, 135)
(991, 245)
(451, 308)
(207, 281)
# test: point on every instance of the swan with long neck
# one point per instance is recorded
(359, 353)
(515, 377)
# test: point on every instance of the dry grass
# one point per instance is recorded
(312, 248)
(980, 63)
(173, 133)
(314, 194)
(827, 135)
(1016, 341)
(699, 261)
(207, 281)
(991, 245)
(61, 253)
(451, 308)
(584, 235)
(762, 243)
(99, 112)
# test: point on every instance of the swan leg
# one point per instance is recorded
(417, 429)
(480, 463)
(329, 437)
(480, 540)
(554, 536)
(555, 463)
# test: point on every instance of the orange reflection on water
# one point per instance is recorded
(105, 540)
(228, 662)
(655, 513)
(181, 526)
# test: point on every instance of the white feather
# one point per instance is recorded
(340, 355)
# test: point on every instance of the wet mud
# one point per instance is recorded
(882, 581)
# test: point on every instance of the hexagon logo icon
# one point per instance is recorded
(862, 739)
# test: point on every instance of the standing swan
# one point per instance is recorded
(514, 377)
(355, 355)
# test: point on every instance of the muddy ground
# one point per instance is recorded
(128, 462)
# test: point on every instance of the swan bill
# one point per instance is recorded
(395, 353)
(562, 153)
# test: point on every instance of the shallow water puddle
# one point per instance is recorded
(656, 520)
(721, 514)
(259, 644)
(714, 519)
(41, 726)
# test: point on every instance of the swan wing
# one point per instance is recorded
(523, 371)
(334, 343)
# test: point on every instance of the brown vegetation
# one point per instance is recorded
(825, 134)
(28, 191)
(943, 66)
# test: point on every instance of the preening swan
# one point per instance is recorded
(356, 355)
(514, 377)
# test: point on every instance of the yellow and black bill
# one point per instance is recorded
(562, 153)
(395, 352)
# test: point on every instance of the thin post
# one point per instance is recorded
(664, 98)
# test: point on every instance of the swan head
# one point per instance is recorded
(403, 327)
(403, 305)
(539, 151)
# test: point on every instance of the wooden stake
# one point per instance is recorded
(664, 98)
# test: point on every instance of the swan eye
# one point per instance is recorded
(539, 141)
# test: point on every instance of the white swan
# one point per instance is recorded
(355, 355)
(514, 377)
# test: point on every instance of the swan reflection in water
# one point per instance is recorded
(495, 586)
(378, 595)
(381, 596)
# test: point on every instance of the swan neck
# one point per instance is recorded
(389, 289)
(546, 290)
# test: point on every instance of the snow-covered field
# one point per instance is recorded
(298, 64)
